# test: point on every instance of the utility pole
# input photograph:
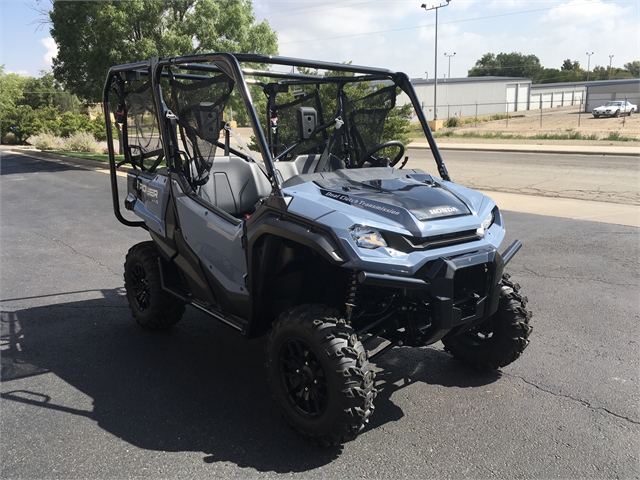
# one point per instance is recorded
(435, 73)
(610, 58)
(449, 57)
(589, 64)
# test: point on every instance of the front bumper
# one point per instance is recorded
(462, 291)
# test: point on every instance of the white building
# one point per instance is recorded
(550, 95)
(472, 96)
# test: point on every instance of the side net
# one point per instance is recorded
(199, 106)
(143, 147)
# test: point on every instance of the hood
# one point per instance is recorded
(391, 193)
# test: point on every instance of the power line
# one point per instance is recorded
(431, 24)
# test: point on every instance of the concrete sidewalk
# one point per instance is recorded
(531, 148)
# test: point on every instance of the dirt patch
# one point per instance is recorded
(566, 120)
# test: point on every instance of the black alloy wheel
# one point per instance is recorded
(151, 306)
(303, 378)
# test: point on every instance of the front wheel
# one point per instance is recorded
(500, 339)
(617, 114)
(152, 307)
(320, 374)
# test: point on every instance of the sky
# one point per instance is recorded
(399, 34)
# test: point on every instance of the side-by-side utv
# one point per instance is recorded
(320, 233)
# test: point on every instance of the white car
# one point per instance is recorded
(614, 109)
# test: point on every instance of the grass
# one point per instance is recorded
(613, 136)
(100, 157)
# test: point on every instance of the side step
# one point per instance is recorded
(179, 292)
(231, 320)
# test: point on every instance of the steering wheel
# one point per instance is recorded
(393, 143)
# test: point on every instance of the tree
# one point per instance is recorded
(570, 65)
(507, 65)
(633, 68)
(45, 91)
(11, 89)
(93, 36)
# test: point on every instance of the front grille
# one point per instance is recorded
(409, 244)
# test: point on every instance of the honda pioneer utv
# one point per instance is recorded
(321, 235)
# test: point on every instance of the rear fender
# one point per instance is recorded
(148, 196)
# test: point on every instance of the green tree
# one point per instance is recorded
(93, 36)
(633, 68)
(508, 65)
(45, 91)
(20, 120)
(11, 89)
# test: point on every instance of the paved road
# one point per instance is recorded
(87, 394)
(612, 179)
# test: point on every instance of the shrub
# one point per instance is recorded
(9, 139)
(452, 122)
(46, 141)
(81, 142)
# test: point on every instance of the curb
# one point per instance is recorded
(527, 149)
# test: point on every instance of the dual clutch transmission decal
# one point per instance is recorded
(361, 202)
(418, 209)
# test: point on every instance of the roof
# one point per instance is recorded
(560, 84)
(614, 82)
(422, 81)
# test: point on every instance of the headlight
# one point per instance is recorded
(486, 223)
(367, 237)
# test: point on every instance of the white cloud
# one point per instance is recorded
(52, 50)
(578, 26)
(399, 35)
(22, 73)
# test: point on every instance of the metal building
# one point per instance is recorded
(472, 96)
(550, 95)
(598, 93)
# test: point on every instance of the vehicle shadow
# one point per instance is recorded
(198, 387)
(402, 367)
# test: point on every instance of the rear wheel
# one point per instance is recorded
(499, 340)
(320, 374)
(152, 307)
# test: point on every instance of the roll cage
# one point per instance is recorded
(147, 96)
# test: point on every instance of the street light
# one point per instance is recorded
(588, 64)
(449, 57)
(435, 73)
(610, 58)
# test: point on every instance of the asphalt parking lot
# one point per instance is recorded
(85, 393)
